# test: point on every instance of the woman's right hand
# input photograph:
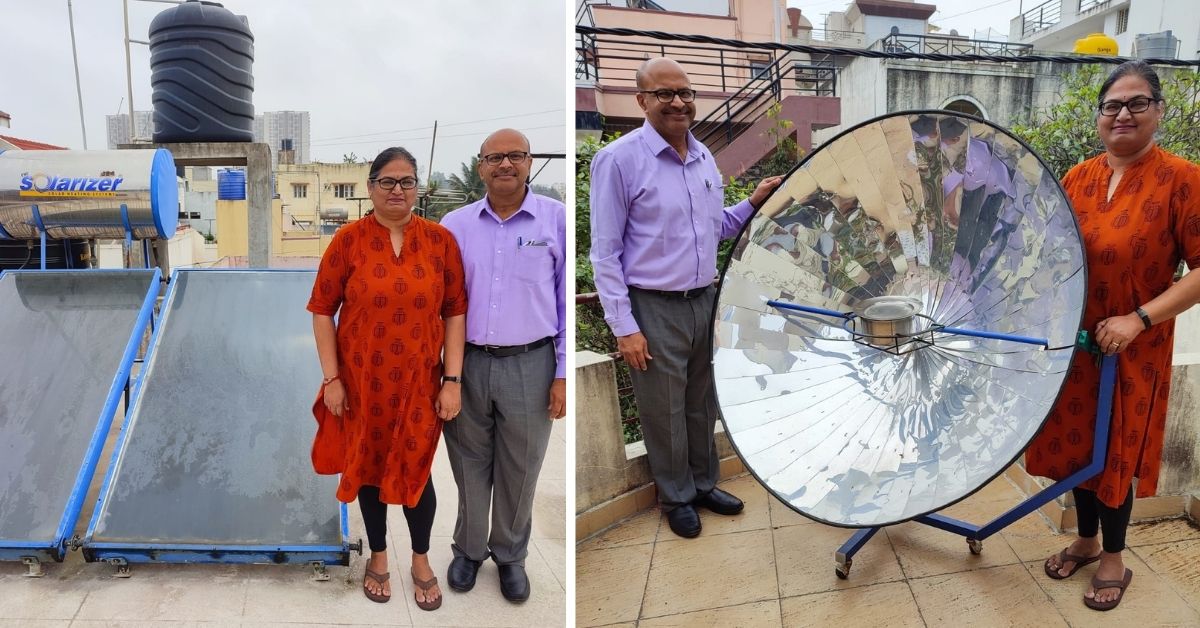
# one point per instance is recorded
(335, 397)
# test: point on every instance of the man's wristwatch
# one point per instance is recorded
(457, 379)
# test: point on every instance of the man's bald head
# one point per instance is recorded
(664, 78)
(508, 176)
(652, 68)
(504, 136)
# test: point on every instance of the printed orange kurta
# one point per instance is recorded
(389, 336)
(1133, 245)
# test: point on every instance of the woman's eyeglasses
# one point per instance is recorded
(1137, 104)
(388, 183)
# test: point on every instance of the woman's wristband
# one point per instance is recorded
(329, 380)
(1145, 317)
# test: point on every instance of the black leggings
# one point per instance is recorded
(1092, 514)
(420, 518)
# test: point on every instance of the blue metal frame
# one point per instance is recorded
(784, 305)
(56, 550)
(974, 533)
(194, 553)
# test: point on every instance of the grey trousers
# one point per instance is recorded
(676, 400)
(496, 447)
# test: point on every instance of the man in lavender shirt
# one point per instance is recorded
(513, 245)
(657, 210)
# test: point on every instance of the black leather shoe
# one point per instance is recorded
(720, 502)
(461, 574)
(684, 521)
(514, 584)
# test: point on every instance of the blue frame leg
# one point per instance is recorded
(976, 534)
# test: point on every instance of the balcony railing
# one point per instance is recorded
(1088, 5)
(1041, 17)
(940, 44)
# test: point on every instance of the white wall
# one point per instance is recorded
(877, 27)
(703, 7)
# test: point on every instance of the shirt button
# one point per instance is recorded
(497, 279)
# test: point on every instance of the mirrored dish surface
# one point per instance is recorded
(62, 337)
(217, 449)
(946, 212)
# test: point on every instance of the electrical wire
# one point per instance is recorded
(874, 54)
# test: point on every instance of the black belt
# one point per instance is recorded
(498, 351)
(676, 294)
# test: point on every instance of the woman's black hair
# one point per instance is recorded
(387, 156)
(1140, 69)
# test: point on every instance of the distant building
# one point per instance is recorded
(1140, 28)
(5, 120)
(270, 128)
(8, 142)
(118, 128)
(273, 127)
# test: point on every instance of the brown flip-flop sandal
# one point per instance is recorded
(1064, 558)
(1121, 584)
(379, 578)
(426, 585)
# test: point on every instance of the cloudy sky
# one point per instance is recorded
(372, 73)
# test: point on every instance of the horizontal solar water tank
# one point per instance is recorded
(88, 194)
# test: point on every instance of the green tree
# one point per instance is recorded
(468, 181)
(1064, 134)
(547, 191)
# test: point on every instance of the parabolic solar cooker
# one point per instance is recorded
(896, 322)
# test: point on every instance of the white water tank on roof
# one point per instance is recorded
(1155, 45)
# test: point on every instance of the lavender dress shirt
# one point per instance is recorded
(656, 220)
(515, 270)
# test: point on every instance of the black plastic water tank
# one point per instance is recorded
(200, 68)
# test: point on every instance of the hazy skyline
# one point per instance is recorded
(372, 74)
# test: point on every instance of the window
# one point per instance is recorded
(299, 190)
(1122, 20)
(343, 190)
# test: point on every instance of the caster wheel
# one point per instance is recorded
(975, 545)
(842, 570)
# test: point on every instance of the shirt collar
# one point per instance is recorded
(657, 144)
(528, 205)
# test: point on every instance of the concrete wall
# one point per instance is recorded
(873, 87)
(605, 467)
(1004, 92)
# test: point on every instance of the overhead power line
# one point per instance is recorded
(430, 126)
(873, 54)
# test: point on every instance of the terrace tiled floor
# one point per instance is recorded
(770, 566)
(84, 595)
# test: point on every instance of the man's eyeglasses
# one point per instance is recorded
(667, 95)
(1137, 104)
(388, 183)
(514, 158)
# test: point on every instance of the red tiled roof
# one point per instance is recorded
(30, 144)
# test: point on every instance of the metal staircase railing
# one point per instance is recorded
(769, 86)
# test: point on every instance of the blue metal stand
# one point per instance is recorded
(976, 534)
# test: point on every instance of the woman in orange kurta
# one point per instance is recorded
(1139, 211)
(398, 281)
